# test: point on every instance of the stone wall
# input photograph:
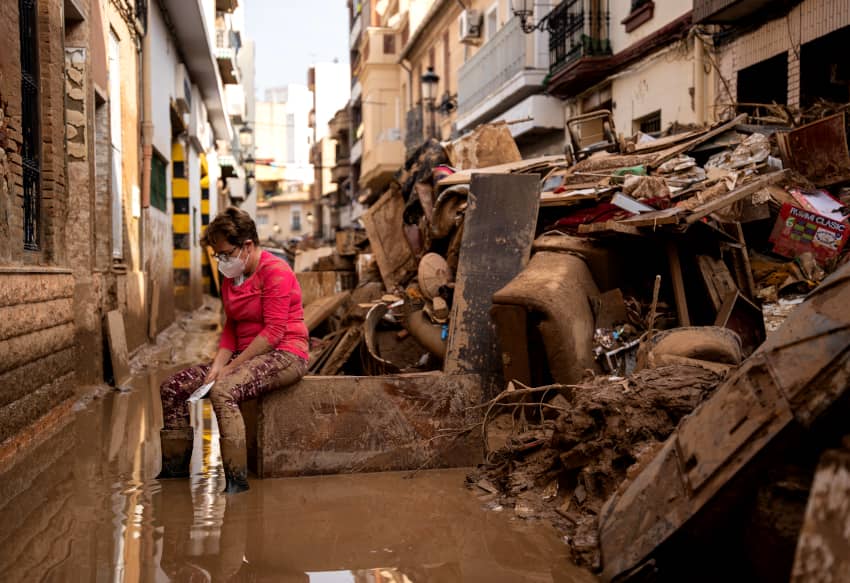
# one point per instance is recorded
(37, 345)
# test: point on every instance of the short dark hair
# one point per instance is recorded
(232, 224)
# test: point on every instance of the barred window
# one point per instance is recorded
(159, 188)
(30, 128)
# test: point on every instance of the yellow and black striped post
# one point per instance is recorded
(206, 270)
(181, 221)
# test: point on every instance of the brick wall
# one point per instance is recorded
(808, 21)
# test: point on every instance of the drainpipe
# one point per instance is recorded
(699, 80)
(406, 66)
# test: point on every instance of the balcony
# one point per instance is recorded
(577, 31)
(234, 96)
(227, 44)
(341, 171)
(379, 47)
(736, 11)
(579, 47)
(506, 70)
(356, 151)
(381, 159)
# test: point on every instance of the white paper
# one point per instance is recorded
(200, 393)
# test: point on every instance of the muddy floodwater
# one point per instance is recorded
(84, 506)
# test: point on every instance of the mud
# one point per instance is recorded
(85, 506)
(591, 438)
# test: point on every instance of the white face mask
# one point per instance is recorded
(232, 268)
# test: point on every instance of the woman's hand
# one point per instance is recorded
(214, 373)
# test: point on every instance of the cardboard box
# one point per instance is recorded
(798, 230)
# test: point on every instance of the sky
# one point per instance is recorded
(293, 34)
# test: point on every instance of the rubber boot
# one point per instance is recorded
(176, 447)
(234, 458)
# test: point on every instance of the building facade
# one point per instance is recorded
(91, 195)
(635, 58)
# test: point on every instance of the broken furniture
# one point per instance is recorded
(795, 384)
(590, 133)
(551, 297)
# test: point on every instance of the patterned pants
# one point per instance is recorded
(262, 374)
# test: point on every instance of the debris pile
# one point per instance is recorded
(692, 249)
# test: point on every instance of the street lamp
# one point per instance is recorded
(246, 137)
(250, 165)
(429, 90)
(524, 10)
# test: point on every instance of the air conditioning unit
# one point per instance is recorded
(470, 26)
(182, 90)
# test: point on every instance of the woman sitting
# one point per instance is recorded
(264, 347)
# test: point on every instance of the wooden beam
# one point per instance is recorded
(730, 198)
(673, 152)
(678, 284)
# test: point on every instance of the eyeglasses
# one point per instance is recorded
(226, 256)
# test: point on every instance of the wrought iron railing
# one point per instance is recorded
(578, 28)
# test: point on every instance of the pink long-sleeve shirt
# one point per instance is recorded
(268, 304)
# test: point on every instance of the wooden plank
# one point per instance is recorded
(342, 351)
(673, 152)
(511, 325)
(823, 549)
(465, 176)
(384, 226)
(654, 219)
(118, 353)
(609, 228)
(317, 284)
(730, 198)
(717, 279)
(321, 309)
(498, 232)
(678, 284)
(153, 320)
(665, 142)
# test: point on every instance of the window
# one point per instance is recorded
(159, 183)
(649, 124)
(491, 24)
(389, 44)
(30, 128)
(115, 140)
(262, 219)
(296, 219)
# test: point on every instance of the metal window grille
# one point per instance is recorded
(651, 123)
(159, 186)
(30, 127)
(578, 28)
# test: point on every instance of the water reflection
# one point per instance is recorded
(85, 506)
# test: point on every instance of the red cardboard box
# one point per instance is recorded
(798, 230)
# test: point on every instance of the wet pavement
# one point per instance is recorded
(84, 506)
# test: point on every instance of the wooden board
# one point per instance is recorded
(384, 226)
(717, 279)
(317, 284)
(498, 233)
(609, 228)
(118, 347)
(342, 351)
(153, 320)
(673, 152)
(322, 309)
(734, 196)
(465, 176)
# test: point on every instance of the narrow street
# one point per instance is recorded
(425, 291)
(85, 506)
